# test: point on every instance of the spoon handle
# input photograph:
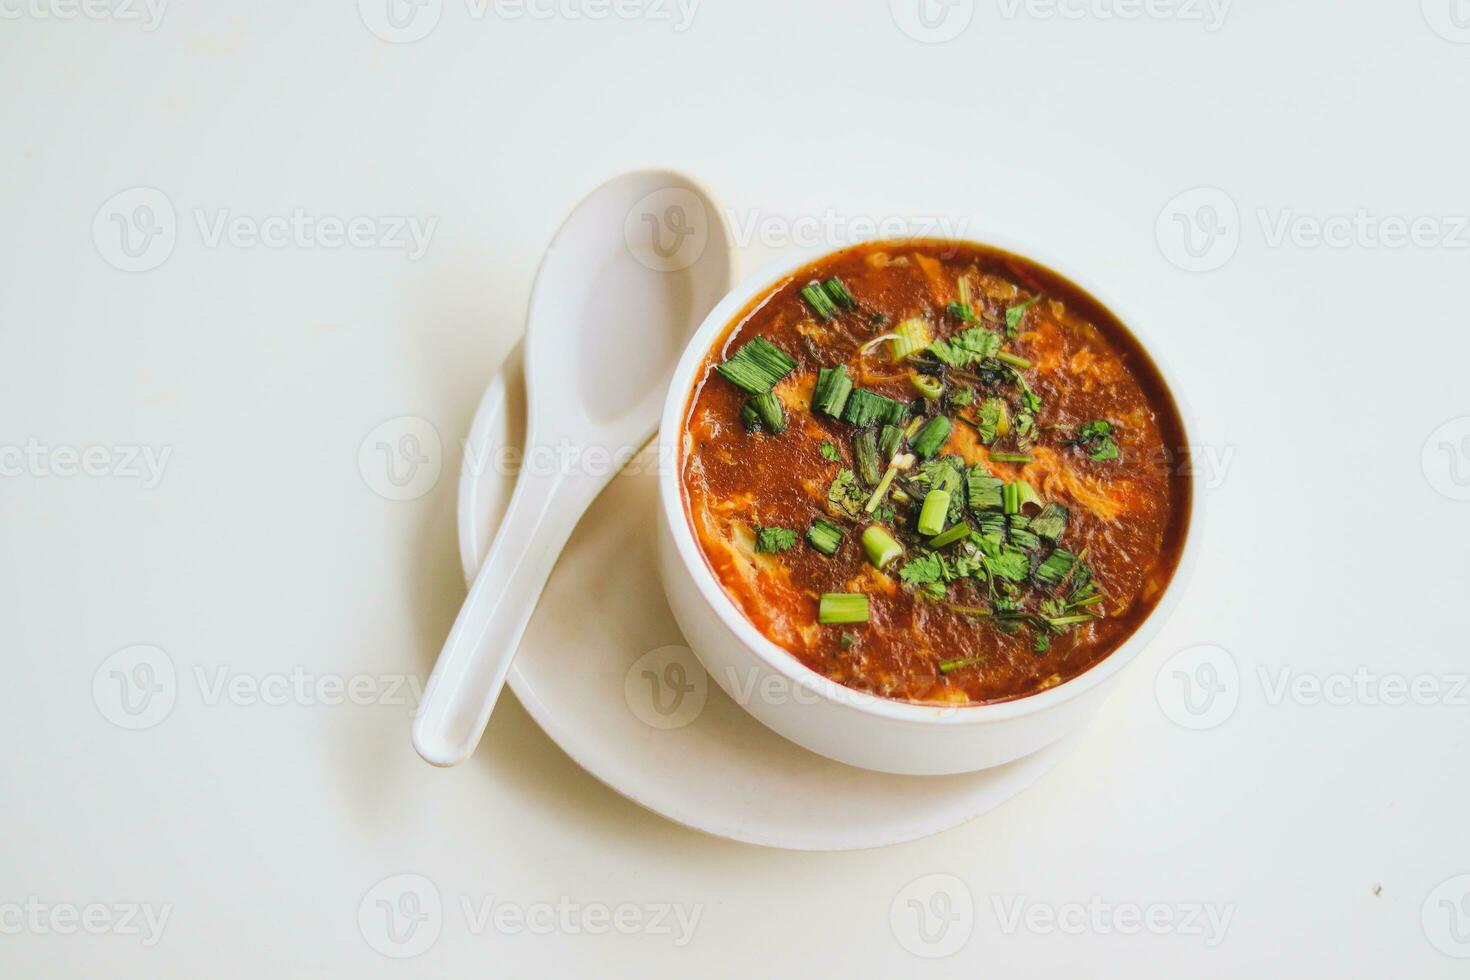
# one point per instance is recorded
(472, 666)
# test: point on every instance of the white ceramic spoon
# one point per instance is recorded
(626, 280)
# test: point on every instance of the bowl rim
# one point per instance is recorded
(782, 661)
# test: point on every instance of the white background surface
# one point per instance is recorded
(1319, 375)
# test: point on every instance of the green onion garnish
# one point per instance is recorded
(889, 440)
(927, 385)
(931, 517)
(985, 491)
(952, 665)
(1010, 457)
(842, 607)
(900, 462)
(837, 290)
(833, 387)
(1014, 360)
(769, 410)
(824, 536)
(1017, 495)
(1019, 533)
(1051, 522)
(748, 418)
(865, 449)
(926, 441)
(817, 297)
(757, 366)
(910, 337)
(867, 408)
(880, 546)
(956, 533)
(1055, 569)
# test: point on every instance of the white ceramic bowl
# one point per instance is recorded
(809, 709)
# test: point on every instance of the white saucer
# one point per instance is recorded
(721, 772)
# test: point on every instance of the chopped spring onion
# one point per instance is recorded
(952, 665)
(880, 546)
(967, 298)
(900, 462)
(866, 451)
(985, 491)
(932, 436)
(927, 385)
(833, 387)
(901, 496)
(757, 366)
(911, 336)
(866, 408)
(889, 440)
(1055, 569)
(1027, 494)
(957, 533)
(819, 300)
(931, 517)
(837, 290)
(1018, 530)
(991, 524)
(1017, 496)
(748, 418)
(1051, 522)
(842, 607)
(824, 536)
(1010, 457)
(1014, 360)
(768, 409)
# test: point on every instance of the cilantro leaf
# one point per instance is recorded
(1014, 314)
(923, 571)
(830, 452)
(773, 539)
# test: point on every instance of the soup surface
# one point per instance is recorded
(936, 472)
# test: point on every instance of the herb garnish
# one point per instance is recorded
(773, 539)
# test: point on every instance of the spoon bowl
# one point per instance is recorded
(627, 278)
